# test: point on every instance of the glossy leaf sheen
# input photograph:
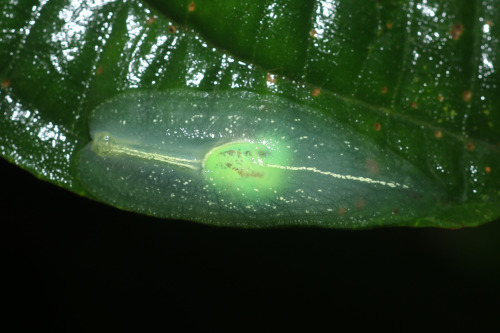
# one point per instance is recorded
(418, 78)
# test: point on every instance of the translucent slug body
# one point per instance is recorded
(243, 159)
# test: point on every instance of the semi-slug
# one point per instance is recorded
(239, 158)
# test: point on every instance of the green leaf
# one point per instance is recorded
(415, 81)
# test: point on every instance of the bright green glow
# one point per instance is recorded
(245, 167)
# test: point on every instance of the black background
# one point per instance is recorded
(74, 265)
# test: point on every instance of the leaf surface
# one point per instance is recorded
(417, 78)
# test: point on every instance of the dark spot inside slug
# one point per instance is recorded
(361, 203)
(372, 166)
(248, 174)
